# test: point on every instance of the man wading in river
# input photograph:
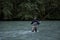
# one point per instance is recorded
(35, 24)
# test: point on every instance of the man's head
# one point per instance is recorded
(35, 17)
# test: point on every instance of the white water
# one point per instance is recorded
(15, 33)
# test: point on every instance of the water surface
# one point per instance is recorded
(21, 30)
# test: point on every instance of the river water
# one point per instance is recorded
(21, 30)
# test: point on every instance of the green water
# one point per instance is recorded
(21, 30)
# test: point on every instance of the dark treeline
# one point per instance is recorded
(28, 9)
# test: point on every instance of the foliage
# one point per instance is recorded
(28, 9)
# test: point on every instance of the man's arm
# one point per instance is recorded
(32, 22)
(38, 22)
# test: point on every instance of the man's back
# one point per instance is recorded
(35, 22)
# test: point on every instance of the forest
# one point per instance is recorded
(26, 10)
